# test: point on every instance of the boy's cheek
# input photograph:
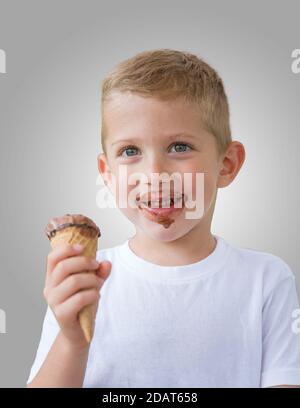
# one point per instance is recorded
(125, 197)
(131, 214)
(201, 190)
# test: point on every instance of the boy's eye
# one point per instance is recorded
(129, 151)
(182, 147)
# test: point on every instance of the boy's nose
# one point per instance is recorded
(156, 165)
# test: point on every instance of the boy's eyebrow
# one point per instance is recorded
(170, 137)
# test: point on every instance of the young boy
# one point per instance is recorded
(180, 306)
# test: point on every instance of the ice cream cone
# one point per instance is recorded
(77, 229)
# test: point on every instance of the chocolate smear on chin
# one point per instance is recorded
(165, 221)
(160, 219)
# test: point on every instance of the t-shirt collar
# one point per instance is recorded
(151, 271)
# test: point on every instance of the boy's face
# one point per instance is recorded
(141, 135)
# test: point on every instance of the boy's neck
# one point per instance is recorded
(183, 251)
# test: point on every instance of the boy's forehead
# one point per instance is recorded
(124, 102)
(129, 115)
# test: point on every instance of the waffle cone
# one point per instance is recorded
(89, 240)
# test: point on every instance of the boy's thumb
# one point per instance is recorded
(104, 269)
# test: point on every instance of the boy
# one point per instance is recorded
(180, 306)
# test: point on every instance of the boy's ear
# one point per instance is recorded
(231, 162)
(104, 168)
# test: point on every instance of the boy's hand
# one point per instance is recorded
(69, 288)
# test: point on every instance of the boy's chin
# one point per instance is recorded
(158, 232)
(165, 230)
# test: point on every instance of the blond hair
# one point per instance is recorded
(170, 74)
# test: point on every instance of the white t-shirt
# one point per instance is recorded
(225, 321)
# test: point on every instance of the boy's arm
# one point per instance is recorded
(64, 366)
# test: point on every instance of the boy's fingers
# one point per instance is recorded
(75, 303)
(71, 265)
(71, 285)
(59, 253)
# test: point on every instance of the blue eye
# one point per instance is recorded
(182, 147)
(131, 150)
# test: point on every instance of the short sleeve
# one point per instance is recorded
(280, 339)
(49, 332)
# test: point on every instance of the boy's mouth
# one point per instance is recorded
(162, 207)
(160, 201)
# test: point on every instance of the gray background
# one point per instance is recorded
(57, 54)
